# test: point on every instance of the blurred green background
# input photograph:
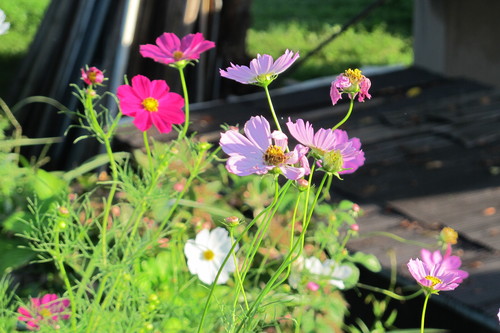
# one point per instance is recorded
(384, 37)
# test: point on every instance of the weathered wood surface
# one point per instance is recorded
(432, 150)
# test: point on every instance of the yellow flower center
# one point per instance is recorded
(92, 76)
(208, 255)
(333, 161)
(150, 104)
(434, 280)
(274, 155)
(354, 75)
(178, 55)
(45, 313)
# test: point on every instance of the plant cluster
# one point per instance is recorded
(170, 240)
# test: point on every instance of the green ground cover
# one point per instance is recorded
(24, 17)
(384, 37)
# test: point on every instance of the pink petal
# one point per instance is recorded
(258, 132)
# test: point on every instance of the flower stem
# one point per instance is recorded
(186, 102)
(351, 106)
(148, 150)
(422, 324)
(271, 107)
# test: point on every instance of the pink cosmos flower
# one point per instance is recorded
(46, 310)
(448, 262)
(352, 83)
(92, 75)
(335, 151)
(434, 278)
(262, 71)
(169, 49)
(150, 102)
(256, 153)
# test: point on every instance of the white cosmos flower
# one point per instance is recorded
(4, 26)
(328, 270)
(206, 253)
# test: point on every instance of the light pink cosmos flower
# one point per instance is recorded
(256, 153)
(151, 102)
(448, 262)
(335, 151)
(262, 71)
(92, 75)
(169, 49)
(433, 278)
(47, 310)
(353, 83)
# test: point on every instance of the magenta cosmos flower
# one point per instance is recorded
(448, 262)
(47, 310)
(351, 82)
(262, 71)
(334, 150)
(92, 75)
(169, 49)
(151, 102)
(433, 278)
(256, 153)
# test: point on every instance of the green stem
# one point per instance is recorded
(422, 324)
(271, 107)
(231, 251)
(390, 293)
(186, 102)
(351, 106)
(148, 150)
(65, 278)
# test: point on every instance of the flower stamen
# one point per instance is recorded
(354, 75)
(178, 55)
(208, 255)
(434, 280)
(151, 104)
(274, 155)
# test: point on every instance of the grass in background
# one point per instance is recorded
(383, 37)
(24, 17)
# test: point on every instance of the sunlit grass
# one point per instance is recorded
(382, 38)
(24, 17)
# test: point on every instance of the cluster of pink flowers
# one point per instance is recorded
(46, 310)
(151, 102)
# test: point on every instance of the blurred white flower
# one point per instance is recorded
(326, 270)
(4, 26)
(206, 253)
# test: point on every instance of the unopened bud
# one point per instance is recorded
(302, 184)
(354, 227)
(232, 220)
(312, 286)
(448, 235)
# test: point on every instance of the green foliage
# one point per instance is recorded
(382, 38)
(24, 17)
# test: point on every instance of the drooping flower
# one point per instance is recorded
(4, 26)
(261, 151)
(151, 103)
(46, 310)
(433, 278)
(92, 75)
(314, 271)
(206, 253)
(262, 71)
(334, 150)
(448, 262)
(351, 82)
(169, 49)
